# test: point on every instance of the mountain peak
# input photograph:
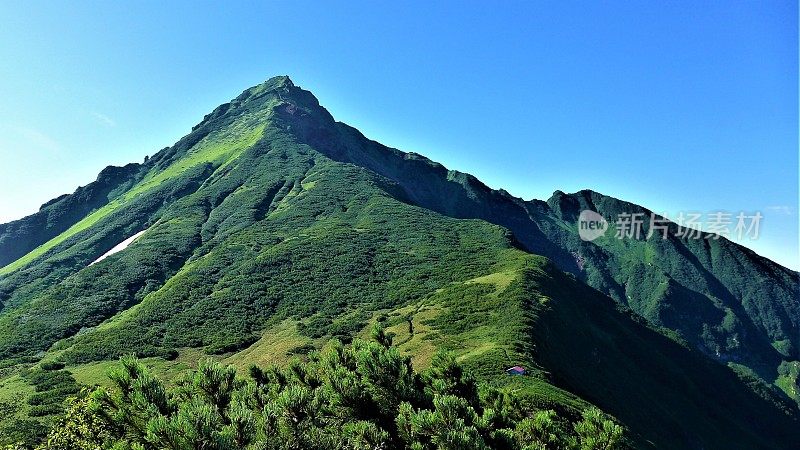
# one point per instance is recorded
(279, 81)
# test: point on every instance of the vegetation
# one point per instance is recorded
(31, 400)
(271, 229)
(723, 299)
(359, 396)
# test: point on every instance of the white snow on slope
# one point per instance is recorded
(119, 247)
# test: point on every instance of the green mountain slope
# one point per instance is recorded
(603, 355)
(56, 216)
(721, 297)
(724, 299)
(271, 228)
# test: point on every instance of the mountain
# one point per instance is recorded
(271, 228)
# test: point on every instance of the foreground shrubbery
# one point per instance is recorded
(361, 396)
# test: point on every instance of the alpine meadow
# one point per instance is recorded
(284, 282)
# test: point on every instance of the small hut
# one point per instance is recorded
(516, 370)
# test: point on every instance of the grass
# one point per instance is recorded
(420, 344)
(83, 224)
(14, 389)
(93, 374)
(274, 348)
(421, 329)
(218, 149)
(308, 184)
(500, 280)
(96, 373)
(789, 379)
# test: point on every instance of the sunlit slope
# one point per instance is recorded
(56, 216)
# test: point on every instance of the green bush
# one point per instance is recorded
(52, 365)
(364, 395)
(46, 409)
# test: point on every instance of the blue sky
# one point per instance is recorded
(678, 106)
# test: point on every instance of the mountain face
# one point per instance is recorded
(271, 228)
(54, 217)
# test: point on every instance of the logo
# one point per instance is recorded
(591, 225)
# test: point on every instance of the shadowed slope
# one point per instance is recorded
(727, 301)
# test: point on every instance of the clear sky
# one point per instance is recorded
(678, 106)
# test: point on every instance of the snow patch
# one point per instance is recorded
(119, 247)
